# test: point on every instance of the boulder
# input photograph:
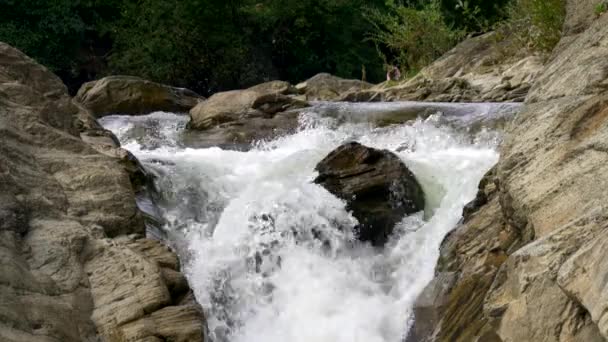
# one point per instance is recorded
(153, 301)
(241, 133)
(238, 117)
(274, 103)
(133, 96)
(223, 107)
(274, 87)
(73, 263)
(377, 187)
(238, 106)
(326, 87)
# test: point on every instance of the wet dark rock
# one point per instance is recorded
(275, 103)
(488, 186)
(378, 188)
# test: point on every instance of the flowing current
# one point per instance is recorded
(246, 223)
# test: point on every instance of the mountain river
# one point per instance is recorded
(242, 221)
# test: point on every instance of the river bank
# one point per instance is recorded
(524, 264)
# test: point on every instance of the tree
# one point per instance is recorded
(412, 34)
(311, 36)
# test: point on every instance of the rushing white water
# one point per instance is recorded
(261, 242)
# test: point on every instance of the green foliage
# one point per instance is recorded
(187, 43)
(601, 8)
(212, 45)
(533, 24)
(311, 36)
(414, 35)
(473, 15)
(50, 30)
(58, 33)
(207, 45)
(215, 45)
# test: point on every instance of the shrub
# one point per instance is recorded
(473, 15)
(601, 8)
(413, 35)
(533, 24)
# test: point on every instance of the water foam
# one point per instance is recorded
(264, 250)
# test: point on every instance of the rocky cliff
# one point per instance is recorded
(479, 69)
(74, 263)
(528, 262)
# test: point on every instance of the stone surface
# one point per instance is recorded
(223, 107)
(137, 292)
(529, 263)
(274, 87)
(235, 119)
(67, 270)
(377, 187)
(274, 103)
(241, 134)
(133, 95)
(579, 68)
(476, 70)
(239, 108)
(326, 87)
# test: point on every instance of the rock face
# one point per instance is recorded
(326, 87)
(74, 265)
(377, 186)
(476, 70)
(133, 96)
(241, 116)
(529, 265)
(223, 107)
(263, 100)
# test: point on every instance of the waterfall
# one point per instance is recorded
(271, 256)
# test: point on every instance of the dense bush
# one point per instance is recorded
(473, 15)
(211, 45)
(58, 33)
(533, 24)
(311, 36)
(413, 36)
(198, 44)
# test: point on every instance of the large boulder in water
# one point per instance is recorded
(238, 117)
(377, 187)
(223, 107)
(238, 106)
(134, 96)
(326, 87)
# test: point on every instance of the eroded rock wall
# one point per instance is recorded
(529, 265)
(74, 265)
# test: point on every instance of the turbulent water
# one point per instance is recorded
(243, 223)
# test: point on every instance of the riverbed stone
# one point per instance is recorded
(327, 87)
(133, 96)
(377, 187)
(237, 108)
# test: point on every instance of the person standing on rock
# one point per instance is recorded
(393, 74)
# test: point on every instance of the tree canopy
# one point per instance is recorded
(212, 45)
